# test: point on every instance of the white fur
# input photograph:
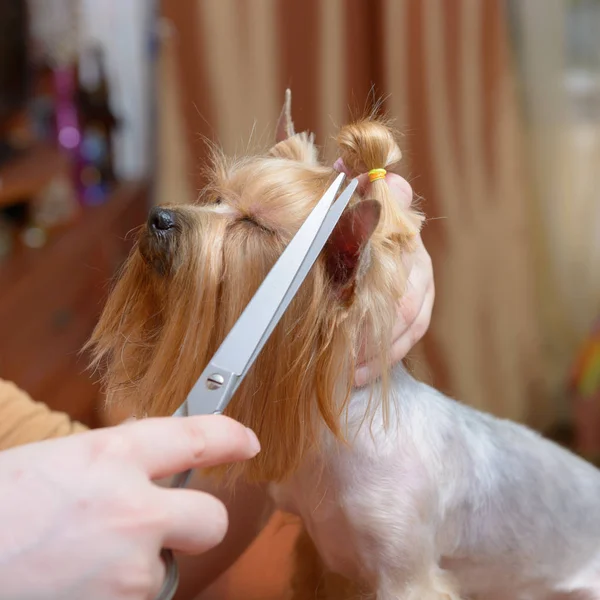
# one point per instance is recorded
(448, 490)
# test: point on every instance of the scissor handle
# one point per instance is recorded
(169, 586)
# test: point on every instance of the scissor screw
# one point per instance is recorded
(215, 381)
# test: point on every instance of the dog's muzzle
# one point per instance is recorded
(158, 241)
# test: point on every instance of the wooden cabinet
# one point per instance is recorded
(50, 300)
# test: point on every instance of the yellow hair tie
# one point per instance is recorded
(375, 174)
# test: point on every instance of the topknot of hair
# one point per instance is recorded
(368, 144)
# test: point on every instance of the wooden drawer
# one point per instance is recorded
(40, 320)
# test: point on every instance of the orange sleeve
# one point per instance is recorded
(23, 421)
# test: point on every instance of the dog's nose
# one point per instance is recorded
(161, 219)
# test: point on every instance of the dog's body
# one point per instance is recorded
(404, 493)
(508, 514)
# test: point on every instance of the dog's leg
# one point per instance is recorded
(313, 581)
(577, 595)
(436, 584)
(308, 570)
(394, 526)
(585, 585)
(584, 591)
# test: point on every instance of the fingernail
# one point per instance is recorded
(254, 443)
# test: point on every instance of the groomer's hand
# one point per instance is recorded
(80, 517)
(416, 306)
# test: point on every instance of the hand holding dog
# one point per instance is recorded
(416, 306)
(82, 518)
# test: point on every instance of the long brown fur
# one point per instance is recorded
(174, 304)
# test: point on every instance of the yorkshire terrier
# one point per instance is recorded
(404, 494)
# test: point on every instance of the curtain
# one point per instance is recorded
(559, 65)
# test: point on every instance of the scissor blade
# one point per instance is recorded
(333, 216)
(246, 335)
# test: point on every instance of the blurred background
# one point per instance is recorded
(104, 106)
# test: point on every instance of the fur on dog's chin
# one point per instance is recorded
(157, 252)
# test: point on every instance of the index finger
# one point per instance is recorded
(164, 446)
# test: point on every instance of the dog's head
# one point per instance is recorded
(195, 267)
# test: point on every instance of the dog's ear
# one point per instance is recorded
(345, 248)
(292, 145)
(285, 125)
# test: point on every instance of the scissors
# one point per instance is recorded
(229, 365)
